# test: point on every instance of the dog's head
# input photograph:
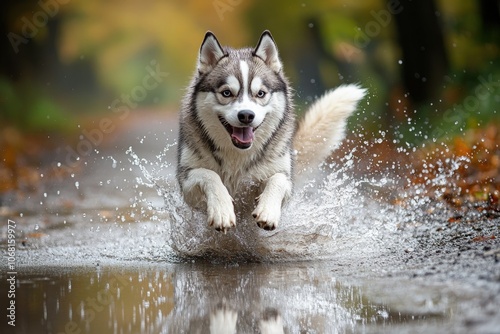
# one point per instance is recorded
(241, 95)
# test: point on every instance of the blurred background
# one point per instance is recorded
(431, 66)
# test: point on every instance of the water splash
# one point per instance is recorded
(327, 214)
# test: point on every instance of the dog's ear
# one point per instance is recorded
(210, 53)
(267, 51)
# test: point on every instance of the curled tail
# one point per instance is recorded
(323, 126)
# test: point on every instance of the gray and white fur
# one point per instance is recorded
(238, 132)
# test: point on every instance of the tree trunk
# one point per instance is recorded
(420, 37)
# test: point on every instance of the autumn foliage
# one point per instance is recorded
(472, 162)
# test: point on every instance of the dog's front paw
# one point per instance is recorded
(267, 216)
(220, 213)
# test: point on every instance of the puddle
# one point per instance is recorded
(206, 298)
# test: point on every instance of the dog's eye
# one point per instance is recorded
(261, 94)
(226, 93)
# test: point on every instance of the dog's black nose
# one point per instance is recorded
(246, 116)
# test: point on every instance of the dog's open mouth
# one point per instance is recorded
(242, 137)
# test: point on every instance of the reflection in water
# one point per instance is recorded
(196, 298)
(93, 302)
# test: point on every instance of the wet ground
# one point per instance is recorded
(112, 250)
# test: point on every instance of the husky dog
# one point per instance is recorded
(238, 129)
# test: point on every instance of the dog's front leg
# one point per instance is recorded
(268, 211)
(204, 185)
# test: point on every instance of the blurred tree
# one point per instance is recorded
(490, 14)
(425, 61)
(29, 66)
(18, 56)
(490, 21)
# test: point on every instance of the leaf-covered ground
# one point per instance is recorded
(470, 165)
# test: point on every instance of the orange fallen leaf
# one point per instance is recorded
(482, 238)
(36, 235)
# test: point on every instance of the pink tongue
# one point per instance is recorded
(243, 135)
